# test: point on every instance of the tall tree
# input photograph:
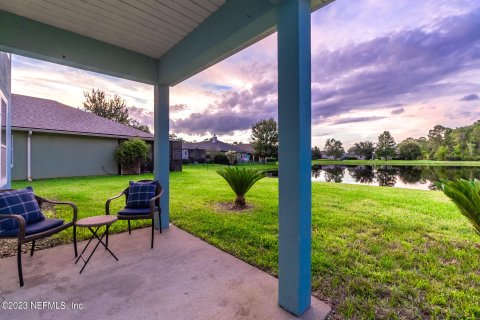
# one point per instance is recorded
(174, 137)
(364, 149)
(139, 126)
(97, 102)
(316, 153)
(264, 138)
(409, 150)
(334, 148)
(386, 146)
(436, 136)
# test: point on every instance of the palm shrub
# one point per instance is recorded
(240, 180)
(466, 195)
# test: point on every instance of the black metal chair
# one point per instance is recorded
(26, 232)
(129, 214)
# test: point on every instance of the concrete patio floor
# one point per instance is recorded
(183, 277)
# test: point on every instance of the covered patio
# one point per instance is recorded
(163, 43)
(181, 278)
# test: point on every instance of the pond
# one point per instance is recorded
(411, 177)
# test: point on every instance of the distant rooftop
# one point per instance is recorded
(31, 113)
(213, 144)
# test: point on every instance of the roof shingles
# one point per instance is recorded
(31, 113)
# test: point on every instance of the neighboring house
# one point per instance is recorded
(325, 156)
(197, 152)
(246, 152)
(193, 154)
(51, 140)
(353, 155)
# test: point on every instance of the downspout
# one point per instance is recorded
(29, 156)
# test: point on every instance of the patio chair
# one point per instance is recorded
(21, 218)
(139, 205)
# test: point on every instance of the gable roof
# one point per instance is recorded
(218, 146)
(37, 114)
(246, 147)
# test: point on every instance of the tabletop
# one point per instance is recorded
(96, 221)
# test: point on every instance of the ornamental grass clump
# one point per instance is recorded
(466, 195)
(240, 180)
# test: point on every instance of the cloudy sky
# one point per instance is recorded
(377, 65)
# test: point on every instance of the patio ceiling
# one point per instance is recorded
(165, 41)
(148, 27)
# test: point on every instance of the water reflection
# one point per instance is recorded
(420, 177)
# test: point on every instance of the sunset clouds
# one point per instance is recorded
(402, 66)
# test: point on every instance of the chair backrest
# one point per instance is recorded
(39, 199)
(158, 190)
(20, 202)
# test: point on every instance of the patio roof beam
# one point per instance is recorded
(236, 25)
(33, 39)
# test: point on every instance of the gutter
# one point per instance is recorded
(77, 133)
(29, 156)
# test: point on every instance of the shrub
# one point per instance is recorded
(220, 159)
(131, 151)
(241, 180)
(466, 196)
(232, 157)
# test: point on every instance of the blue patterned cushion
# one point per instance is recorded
(21, 202)
(34, 227)
(135, 211)
(140, 193)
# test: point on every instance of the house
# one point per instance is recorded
(246, 152)
(193, 154)
(50, 139)
(198, 152)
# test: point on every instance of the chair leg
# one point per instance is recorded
(129, 228)
(106, 238)
(33, 248)
(19, 264)
(75, 240)
(153, 230)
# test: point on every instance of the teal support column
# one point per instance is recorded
(294, 114)
(161, 149)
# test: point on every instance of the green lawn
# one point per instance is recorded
(377, 252)
(400, 162)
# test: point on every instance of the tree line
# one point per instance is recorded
(441, 143)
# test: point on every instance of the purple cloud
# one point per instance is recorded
(398, 111)
(232, 112)
(142, 115)
(387, 68)
(470, 97)
(402, 66)
(178, 107)
(357, 119)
